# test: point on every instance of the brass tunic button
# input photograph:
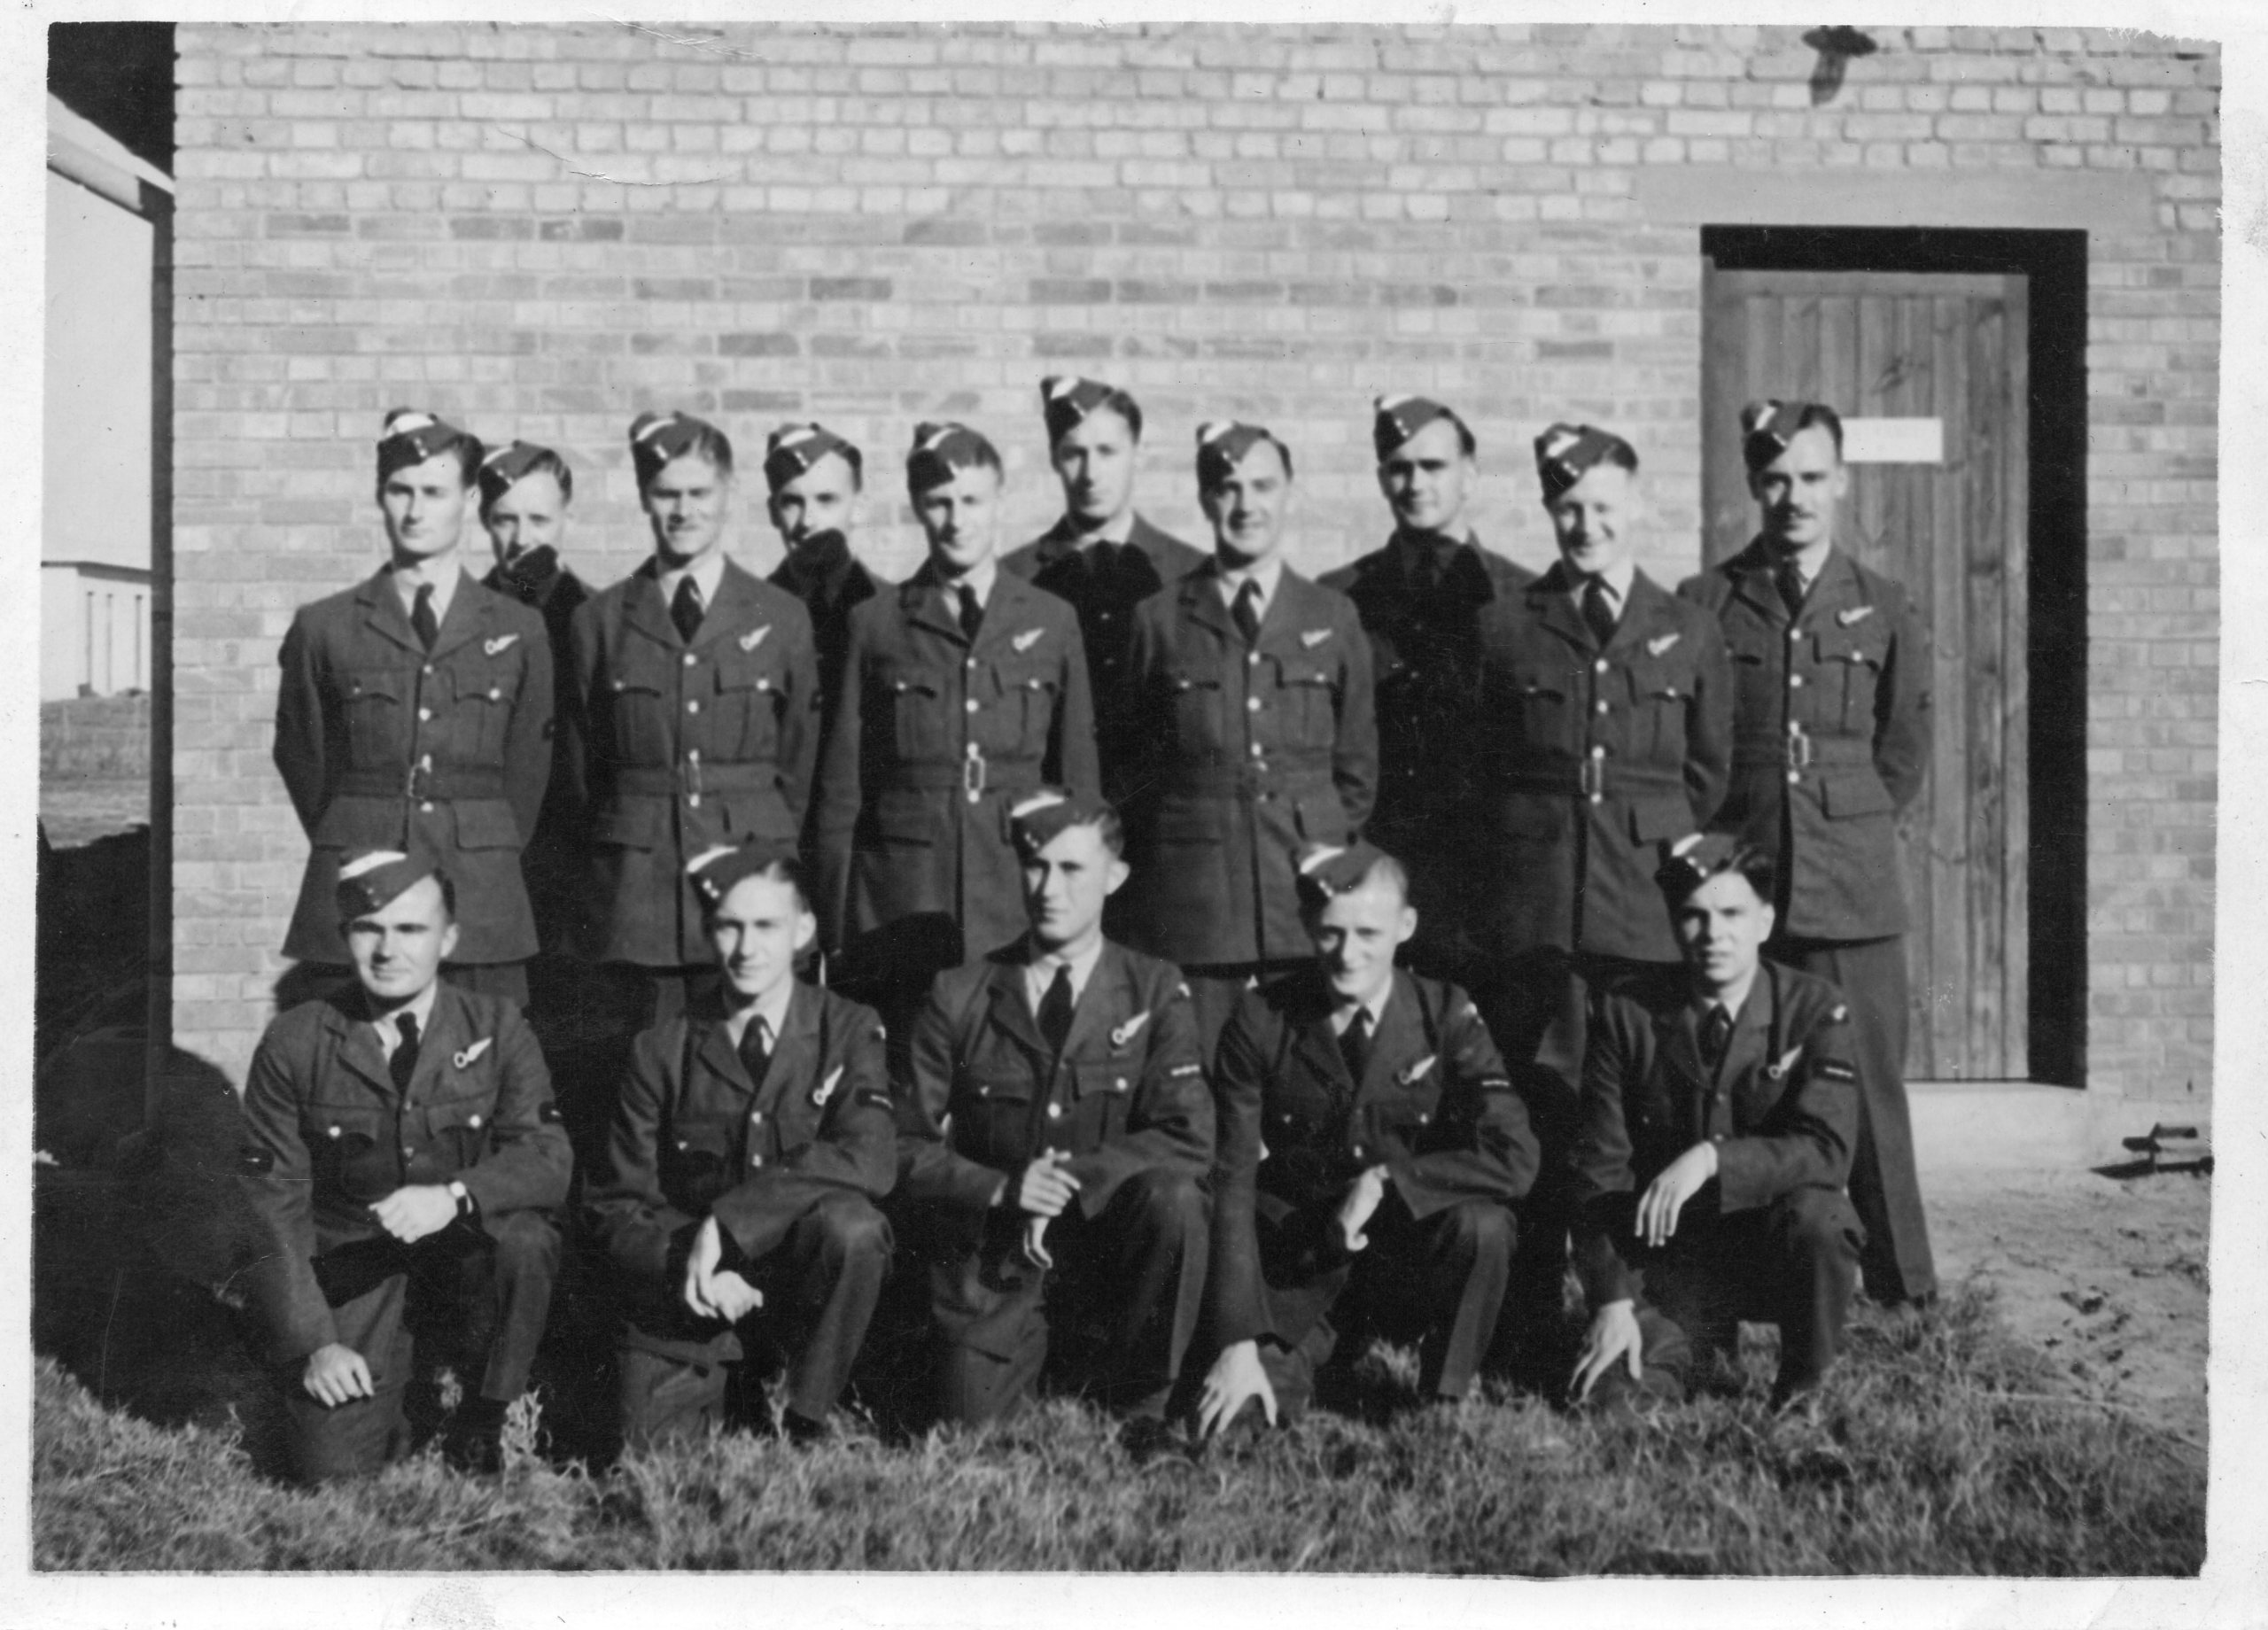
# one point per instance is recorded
(1252, 659)
(1795, 681)
(1603, 707)
(425, 713)
(1055, 1112)
(335, 1132)
(1795, 778)
(755, 1115)
(473, 1121)
(425, 808)
(1598, 752)
(693, 707)
(971, 704)
(1599, 666)
(755, 1160)
(1251, 703)
(691, 661)
(1256, 750)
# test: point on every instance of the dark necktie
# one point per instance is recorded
(1355, 1045)
(756, 1049)
(1055, 1010)
(402, 1062)
(1245, 611)
(422, 618)
(1598, 611)
(972, 614)
(1791, 588)
(685, 610)
(1716, 1035)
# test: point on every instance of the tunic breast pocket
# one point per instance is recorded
(1542, 703)
(1029, 692)
(485, 695)
(460, 1129)
(993, 1120)
(1307, 694)
(747, 720)
(1105, 1091)
(1860, 652)
(1195, 697)
(643, 731)
(1660, 688)
(376, 702)
(699, 1162)
(349, 1146)
(918, 726)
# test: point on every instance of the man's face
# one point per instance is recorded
(1721, 928)
(398, 949)
(1094, 460)
(823, 499)
(756, 929)
(424, 506)
(1595, 520)
(961, 518)
(1247, 506)
(685, 503)
(1357, 934)
(1064, 885)
(1428, 478)
(1798, 493)
(531, 514)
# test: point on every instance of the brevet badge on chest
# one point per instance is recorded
(1659, 643)
(1025, 640)
(825, 1089)
(1856, 614)
(465, 1056)
(1779, 1071)
(1120, 1035)
(1314, 637)
(753, 637)
(1411, 1075)
(501, 642)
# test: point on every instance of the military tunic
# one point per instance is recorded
(552, 859)
(1832, 739)
(1434, 1108)
(982, 1095)
(381, 742)
(832, 585)
(1241, 753)
(1421, 600)
(1772, 1234)
(676, 747)
(791, 1166)
(1103, 583)
(936, 739)
(326, 1134)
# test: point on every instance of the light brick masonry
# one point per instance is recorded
(541, 231)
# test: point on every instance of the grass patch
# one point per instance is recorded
(1938, 1449)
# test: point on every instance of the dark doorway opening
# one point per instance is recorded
(2055, 580)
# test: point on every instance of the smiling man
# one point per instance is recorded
(696, 724)
(1719, 1108)
(1101, 556)
(1250, 731)
(964, 688)
(416, 709)
(752, 1138)
(1831, 716)
(1370, 1147)
(402, 1144)
(1054, 1132)
(1420, 598)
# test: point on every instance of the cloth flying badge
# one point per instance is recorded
(1314, 637)
(1779, 1071)
(1415, 1071)
(462, 1058)
(1856, 614)
(1025, 640)
(825, 1089)
(1660, 643)
(1122, 1033)
(753, 637)
(501, 642)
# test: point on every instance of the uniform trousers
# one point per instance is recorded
(1441, 1278)
(1793, 1263)
(1114, 1316)
(819, 1290)
(479, 1292)
(1897, 1265)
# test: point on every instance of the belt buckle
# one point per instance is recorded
(973, 770)
(1590, 778)
(692, 775)
(1799, 748)
(410, 787)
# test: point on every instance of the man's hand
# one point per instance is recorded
(1613, 1335)
(336, 1374)
(713, 1293)
(1236, 1377)
(409, 1215)
(1046, 1189)
(1355, 1212)
(1680, 1181)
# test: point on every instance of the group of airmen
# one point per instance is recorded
(1159, 966)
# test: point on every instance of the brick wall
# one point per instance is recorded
(541, 231)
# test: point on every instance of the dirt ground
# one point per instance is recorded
(2106, 1275)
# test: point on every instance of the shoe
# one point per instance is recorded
(798, 1428)
(475, 1442)
(1144, 1438)
(1615, 1390)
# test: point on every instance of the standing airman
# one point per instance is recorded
(815, 478)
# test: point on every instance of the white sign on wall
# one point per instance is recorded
(1893, 441)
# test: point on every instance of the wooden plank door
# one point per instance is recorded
(1891, 351)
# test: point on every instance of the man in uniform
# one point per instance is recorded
(697, 723)
(1370, 1147)
(402, 1145)
(416, 709)
(750, 1143)
(815, 478)
(963, 690)
(1054, 1135)
(1720, 1106)
(1420, 598)
(1250, 732)
(1831, 720)
(1101, 556)
(1609, 708)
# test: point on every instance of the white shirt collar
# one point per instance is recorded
(419, 1007)
(1617, 582)
(1703, 1001)
(979, 579)
(1809, 561)
(1264, 576)
(707, 573)
(771, 1008)
(1039, 972)
(406, 580)
(1342, 1017)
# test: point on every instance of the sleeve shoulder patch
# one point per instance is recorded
(1835, 1069)
(1180, 1070)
